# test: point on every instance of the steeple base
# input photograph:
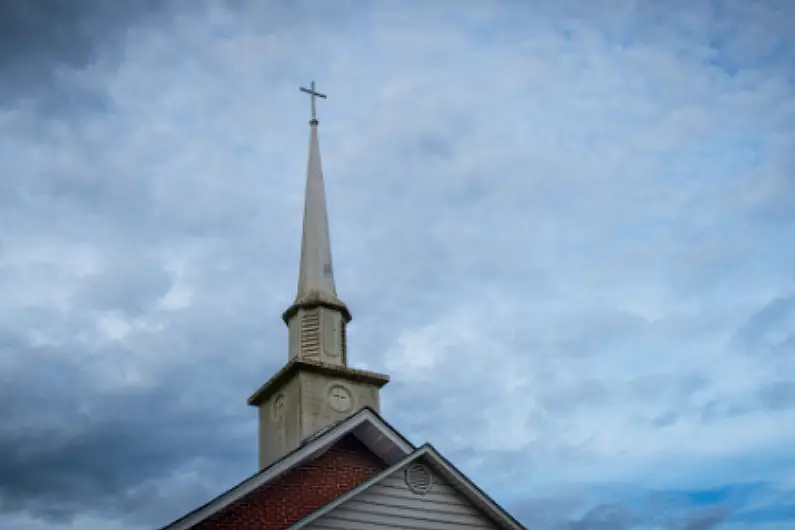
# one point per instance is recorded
(305, 397)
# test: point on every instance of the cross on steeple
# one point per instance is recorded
(312, 92)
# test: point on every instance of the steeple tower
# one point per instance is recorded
(316, 388)
(316, 275)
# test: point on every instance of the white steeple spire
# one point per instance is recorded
(316, 273)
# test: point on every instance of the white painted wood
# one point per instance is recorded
(390, 504)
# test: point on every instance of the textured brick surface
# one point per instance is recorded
(300, 491)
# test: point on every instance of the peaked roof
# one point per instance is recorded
(380, 438)
(367, 426)
(316, 274)
(442, 466)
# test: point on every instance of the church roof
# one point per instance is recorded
(441, 465)
(383, 440)
(368, 427)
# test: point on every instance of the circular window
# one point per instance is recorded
(419, 479)
(340, 398)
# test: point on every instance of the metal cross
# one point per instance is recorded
(311, 91)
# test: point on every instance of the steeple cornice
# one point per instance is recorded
(316, 299)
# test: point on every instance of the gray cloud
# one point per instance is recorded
(771, 328)
(38, 37)
(604, 517)
(92, 450)
(106, 426)
(662, 510)
(707, 518)
(779, 394)
(132, 288)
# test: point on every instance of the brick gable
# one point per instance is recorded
(301, 491)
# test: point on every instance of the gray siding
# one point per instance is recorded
(390, 504)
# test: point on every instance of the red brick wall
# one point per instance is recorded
(301, 491)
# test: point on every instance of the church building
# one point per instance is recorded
(327, 459)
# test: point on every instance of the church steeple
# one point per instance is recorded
(316, 388)
(316, 273)
(317, 318)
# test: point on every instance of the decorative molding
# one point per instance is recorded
(330, 324)
(277, 407)
(344, 342)
(340, 398)
(275, 383)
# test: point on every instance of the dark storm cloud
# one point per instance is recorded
(89, 449)
(707, 519)
(667, 515)
(74, 438)
(661, 509)
(37, 37)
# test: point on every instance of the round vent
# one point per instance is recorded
(419, 479)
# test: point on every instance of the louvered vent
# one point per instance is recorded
(310, 334)
(419, 479)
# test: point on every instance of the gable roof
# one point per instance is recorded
(441, 465)
(367, 426)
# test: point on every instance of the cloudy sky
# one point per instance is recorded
(564, 228)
